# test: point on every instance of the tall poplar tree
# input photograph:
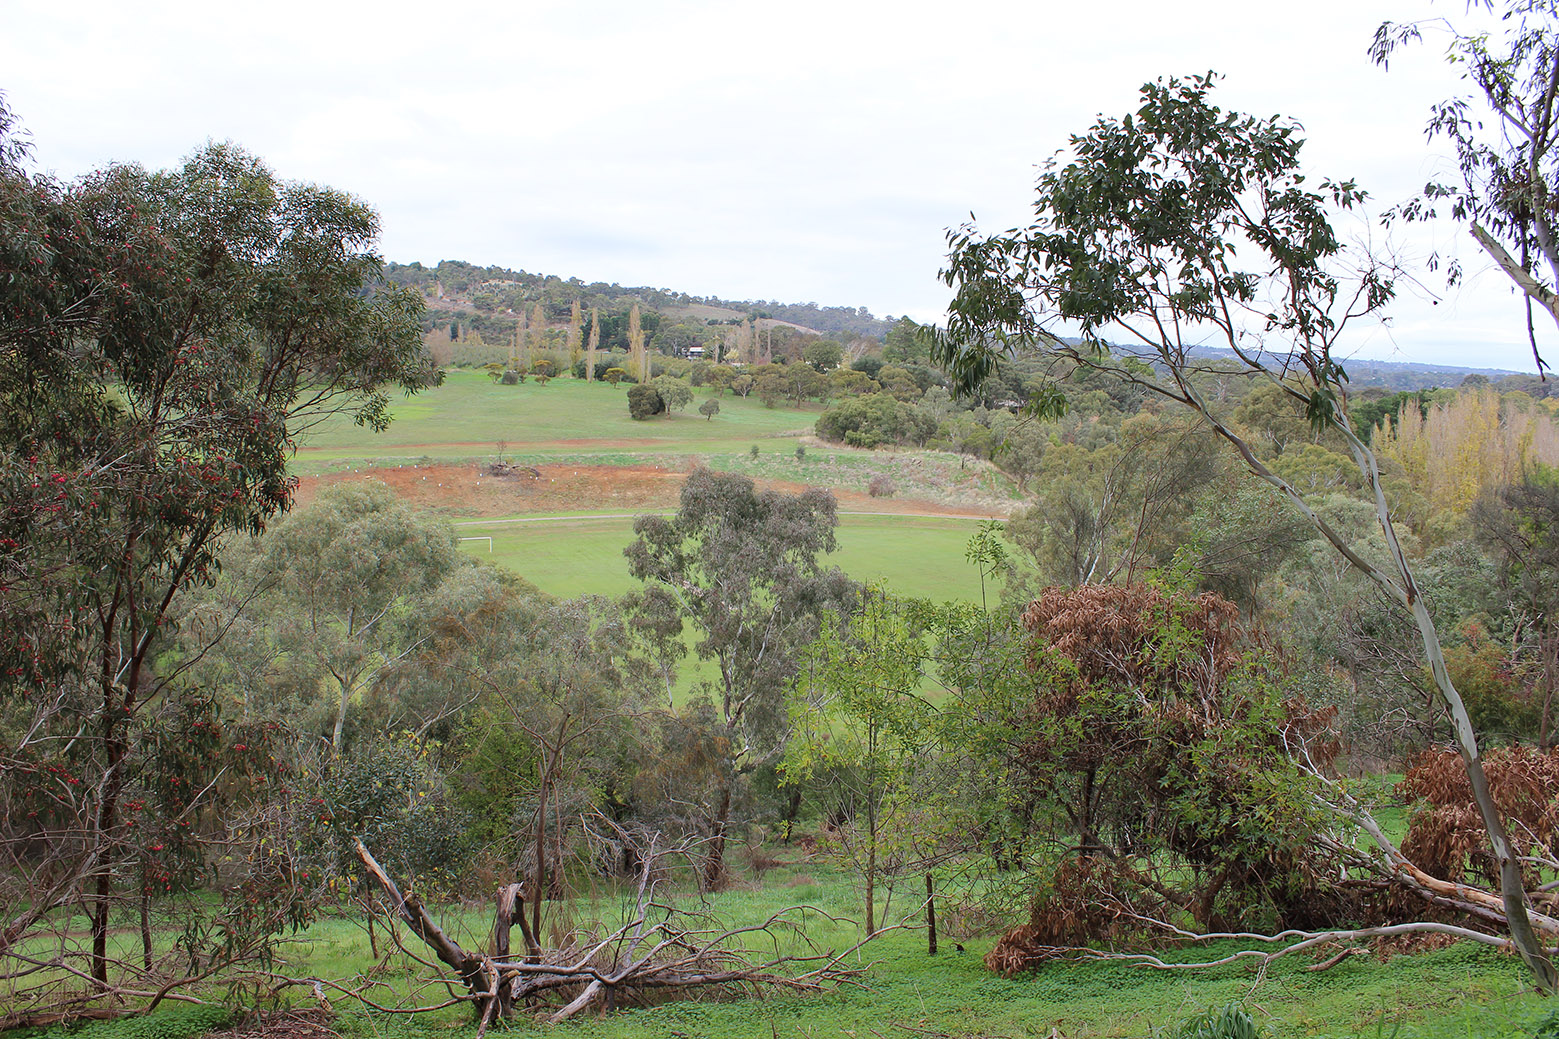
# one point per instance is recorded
(639, 360)
(575, 334)
(538, 332)
(595, 343)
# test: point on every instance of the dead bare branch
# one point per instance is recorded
(656, 950)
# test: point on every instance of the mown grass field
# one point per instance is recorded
(567, 421)
(470, 409)
(914, 556)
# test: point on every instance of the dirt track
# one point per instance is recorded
(464, 491)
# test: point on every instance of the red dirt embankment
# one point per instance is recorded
(464, 490)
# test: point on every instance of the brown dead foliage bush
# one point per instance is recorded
(1160, 727)
(1446, 837)
(1109, 632)
(1090, 899)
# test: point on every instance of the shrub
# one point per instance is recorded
(391, 796)
(1444, 831)
(875, 419)
(644, 401)
(1165, 727)
(1231, 1022)
(881, 486)
(605, 362)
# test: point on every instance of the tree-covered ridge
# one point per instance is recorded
(498, 289)
(476, 314)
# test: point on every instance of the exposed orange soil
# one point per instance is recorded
(483, 447)
(464, 490)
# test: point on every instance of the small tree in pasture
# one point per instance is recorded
(859, 727)
(741, 567)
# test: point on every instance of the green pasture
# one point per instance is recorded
(582, 554)
(470, 413)
(464, 421)
(1463, 991)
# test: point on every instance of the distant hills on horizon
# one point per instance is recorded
(1394, 375)
(495, 292)
(488, 289)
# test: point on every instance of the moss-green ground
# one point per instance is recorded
(1461, 991)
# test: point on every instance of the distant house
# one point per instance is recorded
(695, 352)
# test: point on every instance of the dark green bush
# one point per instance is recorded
(875, 419)
(644, 401)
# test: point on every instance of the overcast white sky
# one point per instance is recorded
(810, 150)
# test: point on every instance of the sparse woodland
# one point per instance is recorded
(1263, 669)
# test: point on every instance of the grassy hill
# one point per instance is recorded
(471, 412)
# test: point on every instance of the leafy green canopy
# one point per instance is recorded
(741, 567)
(164, 337)
(1183, 225)
(1178, 225)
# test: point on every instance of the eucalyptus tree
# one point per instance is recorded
(351, 578)
(1181, 225)
(166, 337)
(1506, 139)
(740, 567)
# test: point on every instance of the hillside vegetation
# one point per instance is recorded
(414, 651)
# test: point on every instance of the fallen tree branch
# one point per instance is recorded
(623, 966)
(1301, 940)
(1396, 869)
